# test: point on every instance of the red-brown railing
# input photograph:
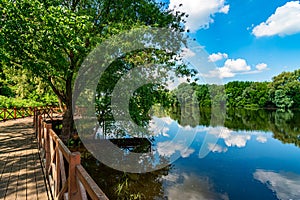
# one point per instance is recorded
(66, 176)
(17, 113)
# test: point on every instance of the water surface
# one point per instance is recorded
(256, 156)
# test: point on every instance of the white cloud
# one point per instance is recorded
(173, 81)
(172, 177)
(200, 12)
(187, 53)
(285, 21)
(220, 132)
(285, 185)
(231, 138)
(193, 187)
(225, 9)
(230, 68)
(158, 126)
(237, 140)
(236, 65)
(217, 56)
(261, 66)
(261, 139)
(187, 152)
(217, 148)
(169, 148)
(167, 120)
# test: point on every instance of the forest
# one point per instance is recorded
(283, 92)
(20, 88)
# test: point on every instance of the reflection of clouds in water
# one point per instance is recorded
(159, 126)
(238, 139)
(261, 139)
(192, 187)
(181, 143)
(285, 185)
(217, 148)
(186, 128)
(231, 139)
(169, 148)
(167, 120)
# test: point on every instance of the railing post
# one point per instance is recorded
(73, 187)
(15, 113)
(38, 131)
(47, 146)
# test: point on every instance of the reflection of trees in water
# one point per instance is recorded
(284, 125)
(120, 185)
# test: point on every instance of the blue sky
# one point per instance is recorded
(248, 40)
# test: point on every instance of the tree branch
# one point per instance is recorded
(55, 90)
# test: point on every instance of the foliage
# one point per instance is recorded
(285, 90)
(256, 95)
(5, 90)
(234, 91)
(6, 102)
(283, 93)
(52, 38)
(22, 84)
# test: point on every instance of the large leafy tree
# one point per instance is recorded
(51, 38)
(285, 90)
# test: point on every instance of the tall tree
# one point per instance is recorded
(51, 38)
(285, 90)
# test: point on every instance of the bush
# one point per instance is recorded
(6, 102)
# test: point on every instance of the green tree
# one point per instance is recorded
(5, 90)
(51, 38)
(285, 90)
(256, 95)
(203, 95)
(234, 91)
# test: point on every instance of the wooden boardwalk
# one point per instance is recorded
(21, 175)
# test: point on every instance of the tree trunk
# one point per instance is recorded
(68, 121)
(68, 124)
(60, 104)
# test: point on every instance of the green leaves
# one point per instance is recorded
(285, 89)
(52, 38)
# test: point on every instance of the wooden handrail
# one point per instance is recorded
(48, 111)
(66, 176)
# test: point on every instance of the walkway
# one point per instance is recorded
(21, 175)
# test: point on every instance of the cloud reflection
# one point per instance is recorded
(285, 185)
(159, 126)
(236, 139)
(217, 148)
(169, 148)
(231, 138)
(261, 139)
(192, 187)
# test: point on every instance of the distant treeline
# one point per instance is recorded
(283, 93)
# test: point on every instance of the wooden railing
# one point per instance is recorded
(17, 113)
(66, 176)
